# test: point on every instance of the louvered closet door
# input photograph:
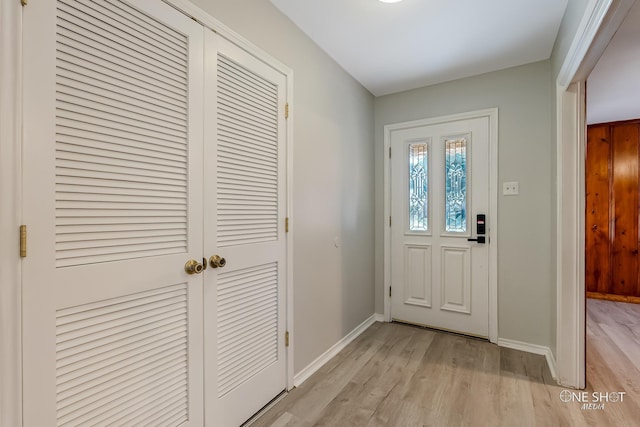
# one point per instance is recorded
(112, 200)
(244, 326)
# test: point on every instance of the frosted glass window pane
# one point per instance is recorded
(418, 187)
(456, 185)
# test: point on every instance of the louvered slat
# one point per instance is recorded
(247, 177)
(81, 75)
(247, 324)
(113, 355)
(110, 152)
(121, 125)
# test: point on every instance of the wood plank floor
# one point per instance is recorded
(398, 375)
(613, 358)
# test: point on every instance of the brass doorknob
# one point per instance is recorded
(193, 267)
(217, 261)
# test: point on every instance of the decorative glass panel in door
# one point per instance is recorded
(456, 185)
(419, 187)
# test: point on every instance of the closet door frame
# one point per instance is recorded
(12, 191)
(10, 387)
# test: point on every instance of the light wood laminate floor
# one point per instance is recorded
(398, 375)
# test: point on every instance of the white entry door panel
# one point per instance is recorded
(245, 167)
(439, 184)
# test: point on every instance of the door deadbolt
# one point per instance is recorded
(217, 261)
(193, 267)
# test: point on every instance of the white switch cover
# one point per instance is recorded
(510, 188)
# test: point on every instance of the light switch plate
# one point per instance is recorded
(510, 188)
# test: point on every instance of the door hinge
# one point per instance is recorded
(286, 225)
(23, 241)
(286, 110)
(389, 152)
(286, 339)
(389, 290)
(389, 221)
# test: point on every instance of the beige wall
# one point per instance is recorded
(570, 21)
(523, 97)
(333, 190)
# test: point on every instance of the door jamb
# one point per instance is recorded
(599, 23)
(492, 114)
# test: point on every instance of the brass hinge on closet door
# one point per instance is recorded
(286, 110)
(286, 339)
(286, 225)
(23, 241)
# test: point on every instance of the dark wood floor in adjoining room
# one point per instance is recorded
(398, 375)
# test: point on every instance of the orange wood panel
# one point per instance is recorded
(611, 297)
(624, 186)
(597, 239)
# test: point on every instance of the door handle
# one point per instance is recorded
(217, 261)
(480, 239)
(193, 267)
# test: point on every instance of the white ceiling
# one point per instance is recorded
(613, 87)
(400, 46)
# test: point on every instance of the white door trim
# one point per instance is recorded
(10, 213)
(570, 237)
(599, 23)
(492, 114)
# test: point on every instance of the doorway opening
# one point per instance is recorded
(612, 216)
(599, 23)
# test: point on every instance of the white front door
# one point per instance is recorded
(439, 186)
(112, 324)
(244, 300)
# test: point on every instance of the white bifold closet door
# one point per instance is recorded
(149, 141)
(113, 135)
(244, 187)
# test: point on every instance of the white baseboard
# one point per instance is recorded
(310, 369)
(532, 348)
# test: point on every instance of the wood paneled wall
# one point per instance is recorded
(613, 210)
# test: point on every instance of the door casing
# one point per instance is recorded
(492, 114)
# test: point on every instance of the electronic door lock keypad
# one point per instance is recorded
(481, 229)
(480, 224)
